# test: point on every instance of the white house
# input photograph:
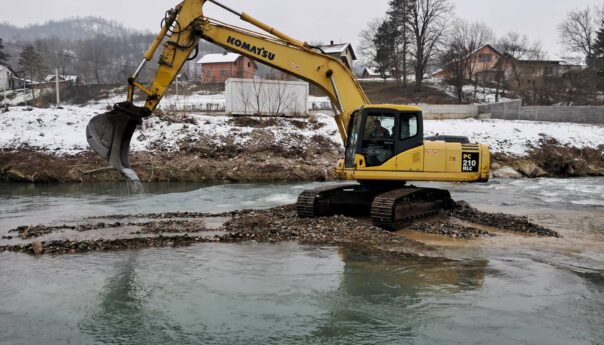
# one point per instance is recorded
(66, 80)
(7, 78)
(373, 73)
(342, 51)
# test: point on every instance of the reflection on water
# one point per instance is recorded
(507, 290)
(377, 290)
(120, 313)
(291, 294)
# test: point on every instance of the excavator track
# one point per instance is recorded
(316, 202)
(400, 207)
(389, 210)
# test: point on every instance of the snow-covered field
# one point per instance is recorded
(14, 97)
(479, 95)
(516, 137)
(62, 131)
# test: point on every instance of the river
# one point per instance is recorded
(502, 290)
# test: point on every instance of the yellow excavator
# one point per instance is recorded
(384, 143)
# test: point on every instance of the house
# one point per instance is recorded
(341, 51)
(487, 64)
(544, 68)
(217, 68)
(481, 60)
(373, 73)
(7, 78)
(64, 80)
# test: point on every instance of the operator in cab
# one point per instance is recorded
(377, 131)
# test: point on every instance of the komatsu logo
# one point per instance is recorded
(261, 52)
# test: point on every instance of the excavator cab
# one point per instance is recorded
(381, 133)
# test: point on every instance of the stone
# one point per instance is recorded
(37, 247)
(496, 166)
(506, 172)
(530, 169)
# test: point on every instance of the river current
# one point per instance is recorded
(504, 290)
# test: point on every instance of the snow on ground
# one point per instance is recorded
(197, 102)
(62, 131)
(480, 95)
(516, 137)
(319, 103)
(14, 97)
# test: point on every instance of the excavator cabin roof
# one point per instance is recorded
(398, 107)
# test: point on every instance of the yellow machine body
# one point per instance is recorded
(186, 24)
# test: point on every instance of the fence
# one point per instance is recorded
(514, 110)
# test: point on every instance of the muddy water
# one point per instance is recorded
(504, 290)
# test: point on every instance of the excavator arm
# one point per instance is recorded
(109, 134)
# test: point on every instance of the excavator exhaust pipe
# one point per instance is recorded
(109, 135)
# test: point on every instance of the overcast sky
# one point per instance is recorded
(310, 20)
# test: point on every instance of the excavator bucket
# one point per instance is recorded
(109, 135)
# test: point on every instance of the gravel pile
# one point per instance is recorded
(73, 247)
(282, 224)
(464, 211)
(449, 229)
(270, 226)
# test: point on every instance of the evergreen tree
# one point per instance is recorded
(400, 17)
(598, 47)
(31, 64)
(596, 63)
(384, 42)
(3, 56)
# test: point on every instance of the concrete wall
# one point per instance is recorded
(501, 110)
(577, 114)
(515, 111)
(266, 97)
(449, 111)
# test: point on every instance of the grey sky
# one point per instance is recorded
(311, 20)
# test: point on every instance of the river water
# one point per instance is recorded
(504, 290)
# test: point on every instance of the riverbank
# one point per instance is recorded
(266, 162)
(49, 146)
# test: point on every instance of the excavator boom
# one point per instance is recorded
(110, 134)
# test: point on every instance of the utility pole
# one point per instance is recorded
(57, 85)
(25, 90)
(4, 98)
(177, 79)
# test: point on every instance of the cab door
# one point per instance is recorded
(378, 140)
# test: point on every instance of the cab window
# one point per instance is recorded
(408, 126)
(378, 139)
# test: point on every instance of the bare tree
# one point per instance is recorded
(429, 21)
(578, 31)
(512, 47)
(526, 72)
(279, 98)
(367, 46)
(462, 56)
(32, 66)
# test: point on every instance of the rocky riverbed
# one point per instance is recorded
(273, 225)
